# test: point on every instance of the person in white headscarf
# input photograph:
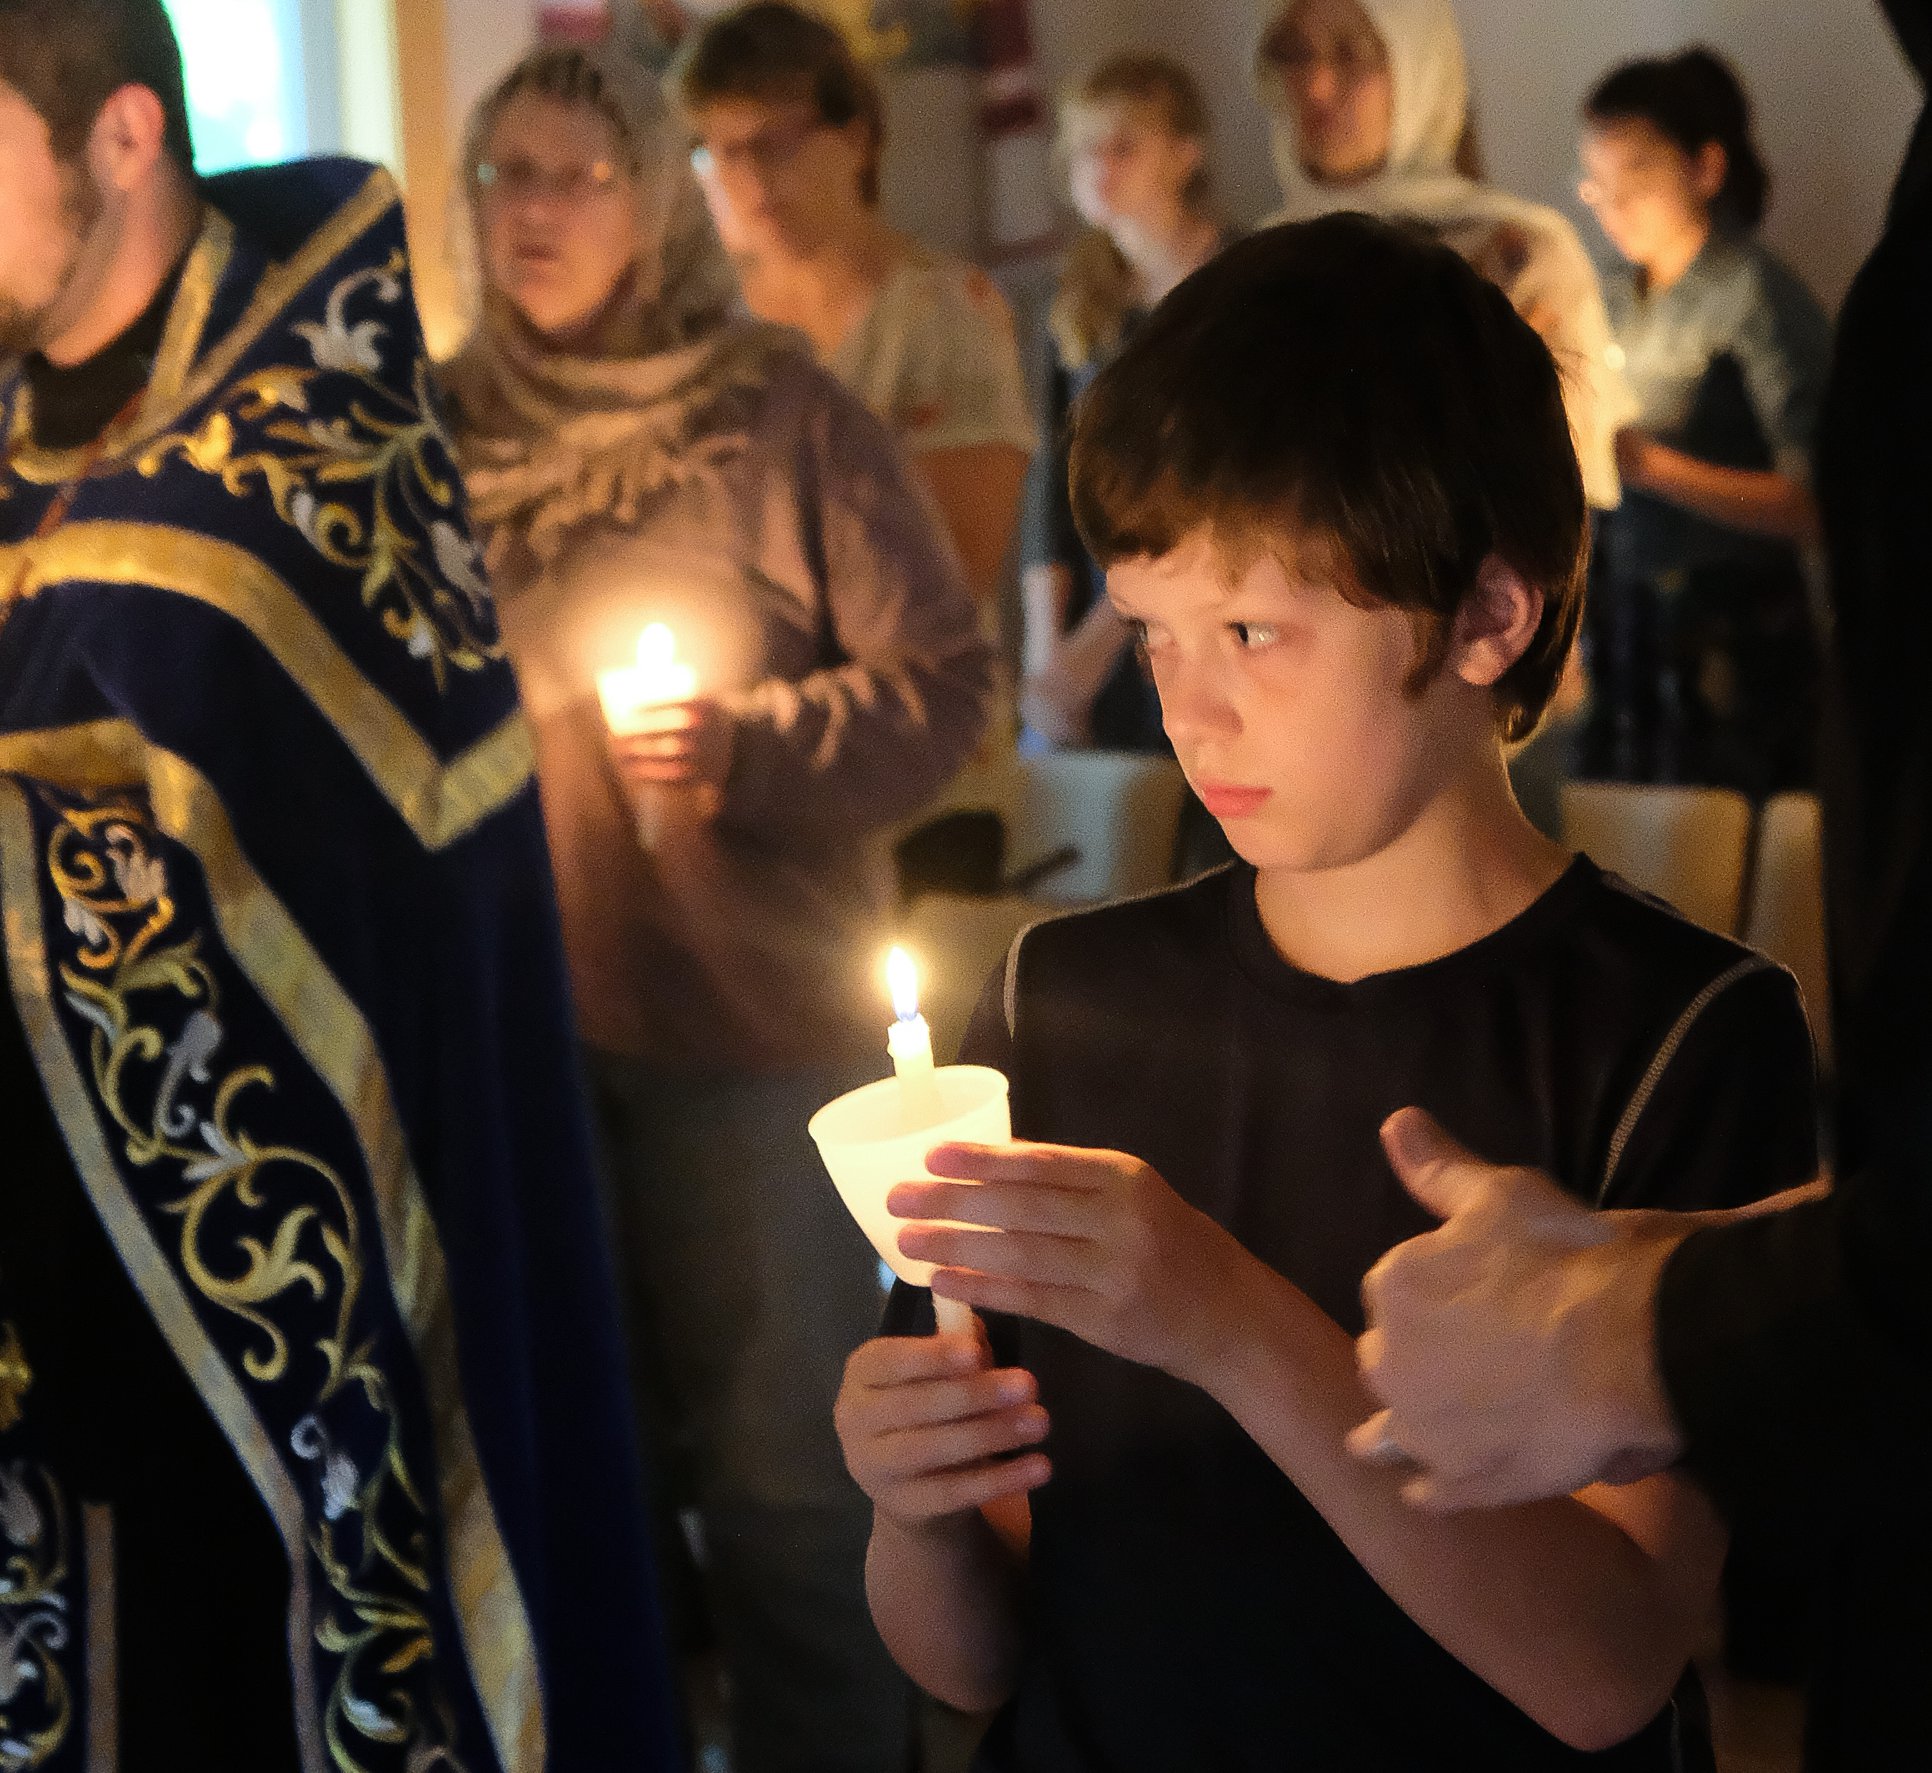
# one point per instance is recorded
(1370, 108)
(638, 453)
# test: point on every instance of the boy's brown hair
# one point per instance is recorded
(1355, 385)
(781, 54)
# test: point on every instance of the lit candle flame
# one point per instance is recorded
(657, 648)
(902, 979)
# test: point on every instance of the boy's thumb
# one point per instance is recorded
(1432, 1166)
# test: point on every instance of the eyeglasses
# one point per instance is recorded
(1350, 61)
(765, 151)
(1630, 186)
(515, 181)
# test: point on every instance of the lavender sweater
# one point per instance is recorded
(811, 585)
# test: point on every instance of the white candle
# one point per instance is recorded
(909, 1041)
(659, 676)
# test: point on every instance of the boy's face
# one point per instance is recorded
(1290, 708)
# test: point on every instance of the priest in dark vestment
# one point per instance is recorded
(314, 1448)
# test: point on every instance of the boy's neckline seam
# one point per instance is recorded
(1264, 966)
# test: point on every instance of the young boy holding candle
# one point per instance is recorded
(1334, 488)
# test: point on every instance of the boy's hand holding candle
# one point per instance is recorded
(932, 1431)
(1094, 1242)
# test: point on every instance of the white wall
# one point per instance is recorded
(483, 38)
(1836, 102)
(368, 80)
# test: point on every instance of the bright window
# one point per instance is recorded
(261, 79)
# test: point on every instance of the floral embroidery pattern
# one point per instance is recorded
(270, 1238)
(361, 469)
(36, 1694)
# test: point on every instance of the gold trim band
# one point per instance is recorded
(188, 318)
(440, 803)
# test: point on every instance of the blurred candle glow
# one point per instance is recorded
(659, 676)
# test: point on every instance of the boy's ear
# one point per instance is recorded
(1495, 625)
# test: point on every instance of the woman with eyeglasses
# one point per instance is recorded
(1370, 108)
(790, 130)
(635, 454)
(1702, 645)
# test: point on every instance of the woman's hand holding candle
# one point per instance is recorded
(1095, 1242)
(684, 744)
(658, 676)
(663, 733)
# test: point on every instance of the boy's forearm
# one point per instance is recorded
(946, 1602)
(1556, 1607)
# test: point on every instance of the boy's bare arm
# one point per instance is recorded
(1582, 1613)
(1583, 1610)
(941, 1443)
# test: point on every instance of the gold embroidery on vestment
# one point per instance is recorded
(16, 1377)
(36, 1691)
(153, 1274)
(333, 1037)
(279, 286)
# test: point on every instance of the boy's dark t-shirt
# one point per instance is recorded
(1186, 1607)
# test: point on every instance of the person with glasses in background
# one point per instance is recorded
(789, 131)
(637, 452)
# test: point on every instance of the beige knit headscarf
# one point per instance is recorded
(548, 437)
